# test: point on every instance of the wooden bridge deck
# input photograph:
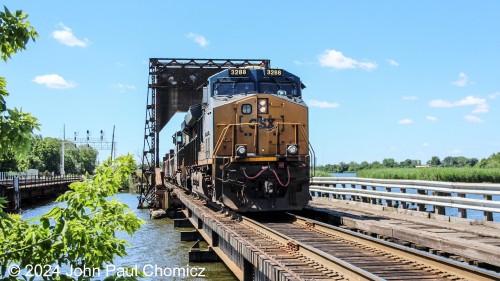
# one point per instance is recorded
(472, 241)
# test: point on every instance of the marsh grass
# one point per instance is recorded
(476, 175)
(319, 173)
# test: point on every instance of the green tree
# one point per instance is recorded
(353, 166)
(88, 157)
(364, 165)
(389, 163)
(80, 232)
(491, 162)
(342, 167)
(408, 163)
(376, 165)
(16, 126)
(47, 153)
(435, 161)
(472, 162)
(8, 162)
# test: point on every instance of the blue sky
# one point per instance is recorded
(385, 79)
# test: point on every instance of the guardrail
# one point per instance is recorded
(401, 193)
(38, 181)
(31, 187)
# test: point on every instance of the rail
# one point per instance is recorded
(402, 193)
(403, 256)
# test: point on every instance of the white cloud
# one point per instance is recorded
(494, 95)
(337, 60)
(405, 121)
(121, 88)
(463, 80)
(198, 39)
(425, 144)
(473, 119)
(481, 104)
(456, 151)
(66, 37)
(323, 104)
(431, 118)
(303, 62)
(410, 98)
(392, 62)
(53, 81)
(393, 148)
(367, 65)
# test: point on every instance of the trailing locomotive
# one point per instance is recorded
(246, 145)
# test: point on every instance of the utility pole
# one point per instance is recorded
(113, 144)
(62, 150)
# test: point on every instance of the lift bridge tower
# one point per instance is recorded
(174, 85)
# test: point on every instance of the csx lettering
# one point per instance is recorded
(264, 123)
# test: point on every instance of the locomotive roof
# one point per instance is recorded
(257, 74)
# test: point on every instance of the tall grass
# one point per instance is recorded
(319, 173)
(476, 175)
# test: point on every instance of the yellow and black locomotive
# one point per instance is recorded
(246, 144)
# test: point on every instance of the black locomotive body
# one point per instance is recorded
(246, 145)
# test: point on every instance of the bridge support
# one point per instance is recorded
(421, 207)
(182, 223)
(198, 255)
(488, 216)
(190, 236)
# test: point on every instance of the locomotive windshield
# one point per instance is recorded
(233, 88)
(282, 89)
(249, 81)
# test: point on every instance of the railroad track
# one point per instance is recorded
(361, 257)
(305, 249)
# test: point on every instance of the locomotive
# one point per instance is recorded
(246, 145)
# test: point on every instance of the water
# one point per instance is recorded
(155, 248)
(453, 212)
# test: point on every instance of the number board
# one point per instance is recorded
(274, 72)
(238, 72)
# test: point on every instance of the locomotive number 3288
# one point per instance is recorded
(274, 72)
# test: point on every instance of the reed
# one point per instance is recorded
(471, 175)
(319, 173)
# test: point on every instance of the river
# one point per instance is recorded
(155, 249)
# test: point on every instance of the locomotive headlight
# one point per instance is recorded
(292, 149)
(241, 150)
(262, 105)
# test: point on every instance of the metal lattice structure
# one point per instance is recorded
(175, 85)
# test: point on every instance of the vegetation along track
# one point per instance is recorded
(360, 257)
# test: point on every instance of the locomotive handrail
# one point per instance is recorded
(400, 193)
(226, 129)
(311, 149)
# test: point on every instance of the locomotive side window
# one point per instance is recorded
(246, 109)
